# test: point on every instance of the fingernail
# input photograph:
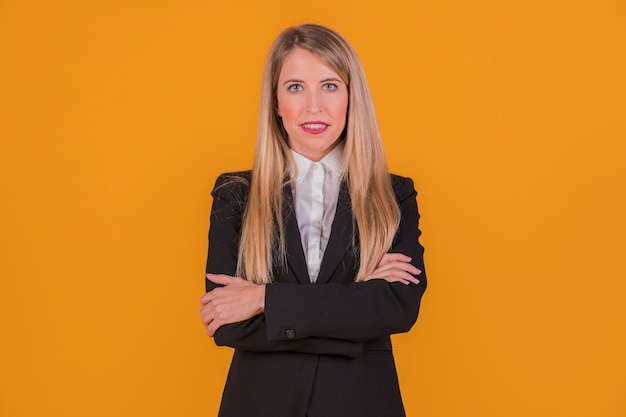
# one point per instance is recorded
(209, 275)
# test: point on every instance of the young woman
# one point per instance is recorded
(314, 259)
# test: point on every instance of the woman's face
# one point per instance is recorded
(312, 102)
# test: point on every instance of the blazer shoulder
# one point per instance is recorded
(232, 185)
(403, 187)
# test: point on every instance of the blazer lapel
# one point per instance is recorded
(341, 234)
(295, 254)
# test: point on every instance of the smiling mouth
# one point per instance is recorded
(315, 127)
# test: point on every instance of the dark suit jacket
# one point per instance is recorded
(318, 350)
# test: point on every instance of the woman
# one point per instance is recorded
(314, 259)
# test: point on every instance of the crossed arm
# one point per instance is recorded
(329, 318)
(238, 299)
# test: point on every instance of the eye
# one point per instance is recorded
(329, 86)
(294, 88)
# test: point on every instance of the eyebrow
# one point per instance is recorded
(293, 80)
(331, 79)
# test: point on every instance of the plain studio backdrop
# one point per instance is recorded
(117, 116)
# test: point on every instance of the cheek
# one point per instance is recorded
(340, 110)
(287, 109)
(287, 118)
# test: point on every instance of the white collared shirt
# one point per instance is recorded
(315, 194)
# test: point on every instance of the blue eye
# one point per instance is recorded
(294, 87)
(329, 86)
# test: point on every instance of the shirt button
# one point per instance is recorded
(290, 333)
(316, 222)
(318, 197)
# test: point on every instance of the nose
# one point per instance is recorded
(314, 102)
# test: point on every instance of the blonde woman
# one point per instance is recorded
(314, 259)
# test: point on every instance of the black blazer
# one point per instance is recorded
(323, 349)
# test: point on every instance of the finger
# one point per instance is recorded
(206, 321)
(205, 299)
(408, 278)
(394, 275)
(404, 266)
(211, 296)
(206, 314)
(212, 327)
(405, 277)
(393, 257)
(220, 279)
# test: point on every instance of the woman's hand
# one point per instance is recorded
(395, 267)
(236, 301)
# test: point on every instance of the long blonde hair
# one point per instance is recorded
(374, 206)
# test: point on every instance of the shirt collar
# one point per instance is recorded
(333, 162)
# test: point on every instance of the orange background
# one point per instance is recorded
(116, 117)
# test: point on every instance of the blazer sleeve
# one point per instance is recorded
(229, 200)
(357, 311)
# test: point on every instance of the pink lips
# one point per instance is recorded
(314, 128)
